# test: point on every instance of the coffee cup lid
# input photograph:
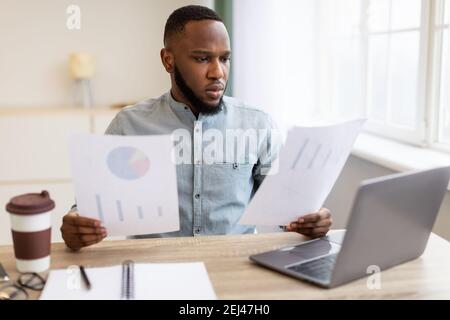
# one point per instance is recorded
(31, 203)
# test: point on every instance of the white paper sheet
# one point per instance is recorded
(309, 165)
(159, 281)
(127, 182)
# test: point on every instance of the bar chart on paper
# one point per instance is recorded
(310, 163)
(312, 154)
(139, 211)
(127, 163)
(116, 182)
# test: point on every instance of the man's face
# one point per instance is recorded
(201, 63)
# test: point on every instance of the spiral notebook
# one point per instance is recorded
(151, 281)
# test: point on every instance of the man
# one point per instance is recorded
(212, 196)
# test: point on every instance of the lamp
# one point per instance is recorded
(82, 68)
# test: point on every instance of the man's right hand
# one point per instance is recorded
(79, 232)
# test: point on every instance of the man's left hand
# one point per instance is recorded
(313, 225)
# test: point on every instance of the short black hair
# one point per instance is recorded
(180, 17)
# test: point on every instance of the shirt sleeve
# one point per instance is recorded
(115, 127)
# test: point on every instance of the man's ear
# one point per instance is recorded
(167, 60)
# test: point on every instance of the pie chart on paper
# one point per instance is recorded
(128, 163)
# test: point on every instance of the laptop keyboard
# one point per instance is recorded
(319, 268)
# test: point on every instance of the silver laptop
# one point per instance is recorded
(390, 223)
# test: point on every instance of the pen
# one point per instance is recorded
(85, 278)
(128, 280)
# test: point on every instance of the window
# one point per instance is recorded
(386, 60)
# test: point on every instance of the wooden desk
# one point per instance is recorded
(235, 277)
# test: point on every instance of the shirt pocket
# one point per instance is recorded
(228, 182)
(227, 188)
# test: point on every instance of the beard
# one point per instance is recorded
(195, 101)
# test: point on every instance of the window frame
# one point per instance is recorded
(435, 112)
(417, 135)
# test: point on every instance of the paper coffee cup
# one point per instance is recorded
(31, 230)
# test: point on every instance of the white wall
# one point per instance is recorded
(35, 157)
(267, 63)
(125, 36)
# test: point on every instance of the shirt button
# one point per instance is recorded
(197, 196)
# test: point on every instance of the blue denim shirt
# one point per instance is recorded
(212, 194)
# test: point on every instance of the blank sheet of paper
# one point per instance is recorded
(153, 281)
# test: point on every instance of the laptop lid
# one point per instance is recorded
(390, 222)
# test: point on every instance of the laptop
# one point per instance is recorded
(390, 223)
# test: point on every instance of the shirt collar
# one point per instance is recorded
(184, 110)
